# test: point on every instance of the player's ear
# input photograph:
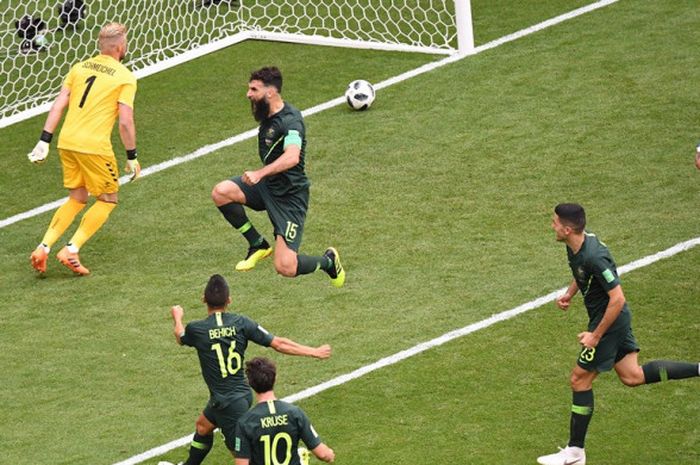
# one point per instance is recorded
(228, 300)
(204, 299)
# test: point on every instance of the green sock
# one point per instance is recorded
(663, 370)
(235, 215)
(308, 264)
(581, 413)
(199, 448)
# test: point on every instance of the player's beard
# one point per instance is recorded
(260, 109)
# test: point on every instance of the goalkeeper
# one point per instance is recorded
(95, 92)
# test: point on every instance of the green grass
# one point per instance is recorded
(439, 199)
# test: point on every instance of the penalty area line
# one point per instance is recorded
(207, 149)
(424, 346)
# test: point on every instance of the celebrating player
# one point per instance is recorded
(608, 342)
(280, 187)
(95, 91)
(221, 340)
(273, 428)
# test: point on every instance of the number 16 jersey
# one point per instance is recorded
(221, 340)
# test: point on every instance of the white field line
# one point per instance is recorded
(207, 149)
(424, 346)
(493, 319)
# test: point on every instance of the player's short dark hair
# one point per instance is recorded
(216, 293)
(261, 373)
(572, 215)
(269, 75)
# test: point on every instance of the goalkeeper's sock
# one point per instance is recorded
(63, 218)
(199, 448)
(307, 264)
(581, 413)
(235, 215)
(92, 221)
(663, 370)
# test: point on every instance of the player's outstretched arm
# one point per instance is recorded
(323, 452)
(289, 347)
(178, 328)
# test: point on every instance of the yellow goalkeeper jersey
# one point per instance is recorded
(97, 86)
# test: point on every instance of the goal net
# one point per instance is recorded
(41, 39)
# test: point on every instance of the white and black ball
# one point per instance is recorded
(360, 95)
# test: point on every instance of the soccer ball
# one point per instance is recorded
(360, 95)
(40, 41)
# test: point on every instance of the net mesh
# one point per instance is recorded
(41, 39)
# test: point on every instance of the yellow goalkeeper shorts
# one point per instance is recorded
(99, 174)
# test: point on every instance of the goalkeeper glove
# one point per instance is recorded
(41, 149)
(132, 164)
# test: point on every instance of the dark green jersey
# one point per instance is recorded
(270, 433)
(595, 273)
(286, 127)
(221, 340)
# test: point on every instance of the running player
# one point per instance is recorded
(608, 342)
(96, 92)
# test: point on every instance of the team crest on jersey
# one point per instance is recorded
(269, 136)
(580, 272)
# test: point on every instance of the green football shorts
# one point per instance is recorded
(226, 417)
(287, 214)
(612, 348)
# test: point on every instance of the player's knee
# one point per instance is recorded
(203, 427)
(286, 269)
(633, 378)
(574, 382)
(631, 382)
(80, 194)
(226, 192)
(579, 383)
(109, 198)
(286, 265)
(217, 194)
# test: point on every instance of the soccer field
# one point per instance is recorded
(439, 199)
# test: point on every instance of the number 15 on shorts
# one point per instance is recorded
(291, 231)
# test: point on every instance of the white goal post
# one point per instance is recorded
(41, 39)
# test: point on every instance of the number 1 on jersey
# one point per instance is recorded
(89, 81)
